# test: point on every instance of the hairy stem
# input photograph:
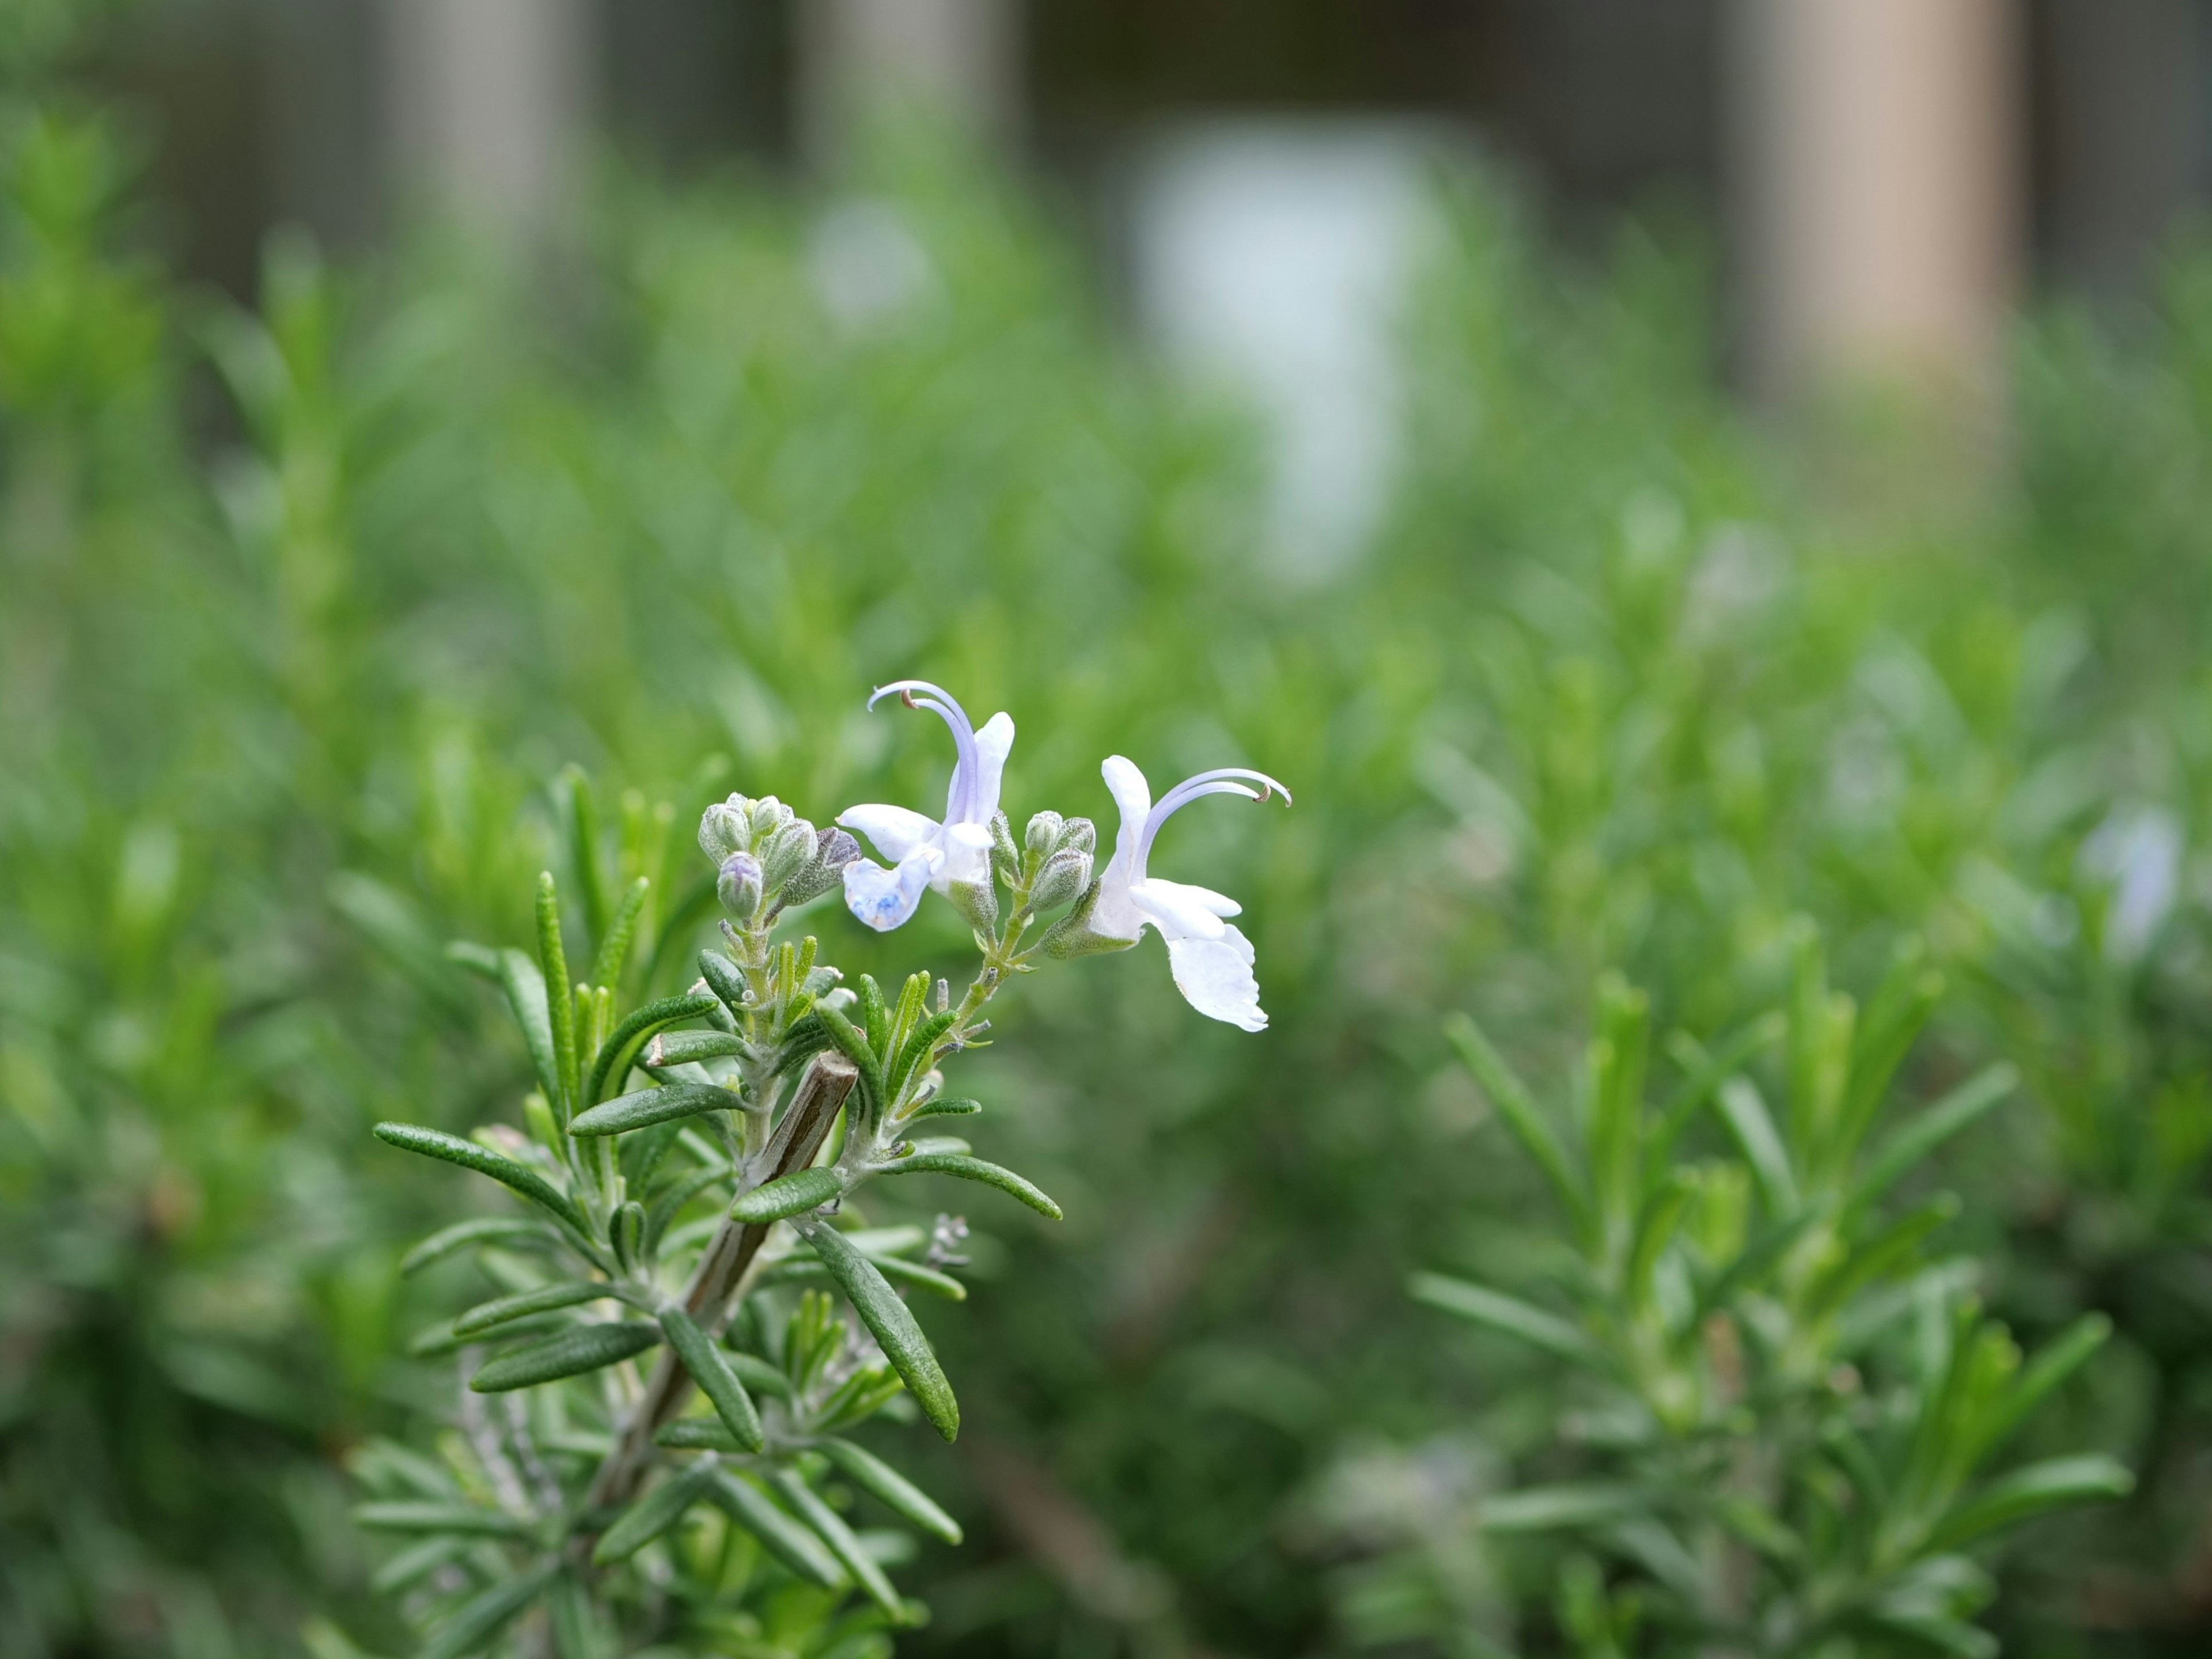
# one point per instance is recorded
(710, 1297)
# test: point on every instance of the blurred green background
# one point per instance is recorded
(309, 591)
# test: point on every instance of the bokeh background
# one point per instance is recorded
(1640, 469)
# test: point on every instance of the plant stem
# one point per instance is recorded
(710, 1296)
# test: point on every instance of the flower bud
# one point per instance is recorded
(738, 884)
(768, 816)
(977, 901)
(1080, 834)
(788, 851)
(833, 849)
(1065, 874)
(724, 827)
(1042, 836)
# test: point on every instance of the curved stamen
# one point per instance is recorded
(946, 708)
(1222, 780)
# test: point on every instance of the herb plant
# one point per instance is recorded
(689, 1319)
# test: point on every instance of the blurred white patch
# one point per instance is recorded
(1274, 256)
(2136, 850)
(867, 265)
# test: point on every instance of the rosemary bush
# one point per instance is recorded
(1785, 1396)
(711, 1210)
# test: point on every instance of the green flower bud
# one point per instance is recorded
(725, 828)
(1064, 875)
(739, 885)
(788, 851)
(1042, 836)
(832, 850)
(1080, 834)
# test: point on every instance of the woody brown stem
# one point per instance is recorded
(711, 1296)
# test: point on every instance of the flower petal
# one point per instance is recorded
(1215, 977)
(896, 832)
(967, 856)
(1173, 909)
(884, 899)
(993, 744)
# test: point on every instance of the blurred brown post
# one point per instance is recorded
(861, 60)
(485, 103)
(1877, 157)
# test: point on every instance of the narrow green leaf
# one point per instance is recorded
(2058, 1483)
(1661, 1217)
(700, 1434)
(1754, 1135)
(830, 1527)
(758, 1375)
(1618, 1061)
(1510, 1315)
(584, 849)
(788, 1196)
(478, 959)
(570, 1353)
(510, 1231)
(889, 1488)
(658, 1104)
(543, 1299)
(470, 1518)
(576, 1633)
(614, 949)
(440, 1339)
(780, 1535)
(909, 1274)
(1901, 1004)
(480, 1620)
(875, 1020)
(2039, 1379)
(1891, 1254)
(712, 1372)
(436, 1143)
(417, 1562)
(848, 1037)
(652, 1514)
(947, 1106)
(1521, 1114)
(916, 1049)
(1909, 1144)
(975, 1169)
(630, 1034)
(553, 960)
(892, 1324)
(1545, 1508)
(1704, 1074)
(526, 995)
(681, 1048)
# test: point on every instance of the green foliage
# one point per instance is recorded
(301, 603)
(1789, 1406)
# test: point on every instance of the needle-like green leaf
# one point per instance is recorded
(483, 1618)
(1521, 1114)
(788, 1196)
(780, 1535)
(655, 1105)
(889, 1488)
(570, 1353)
(1508, 1314)
(436, 1143)
(543, 1299)
(975, 1169)
(830, 1527)
(716, 1380)
(653, 1515)
(627, 1038)
(891, 1323)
